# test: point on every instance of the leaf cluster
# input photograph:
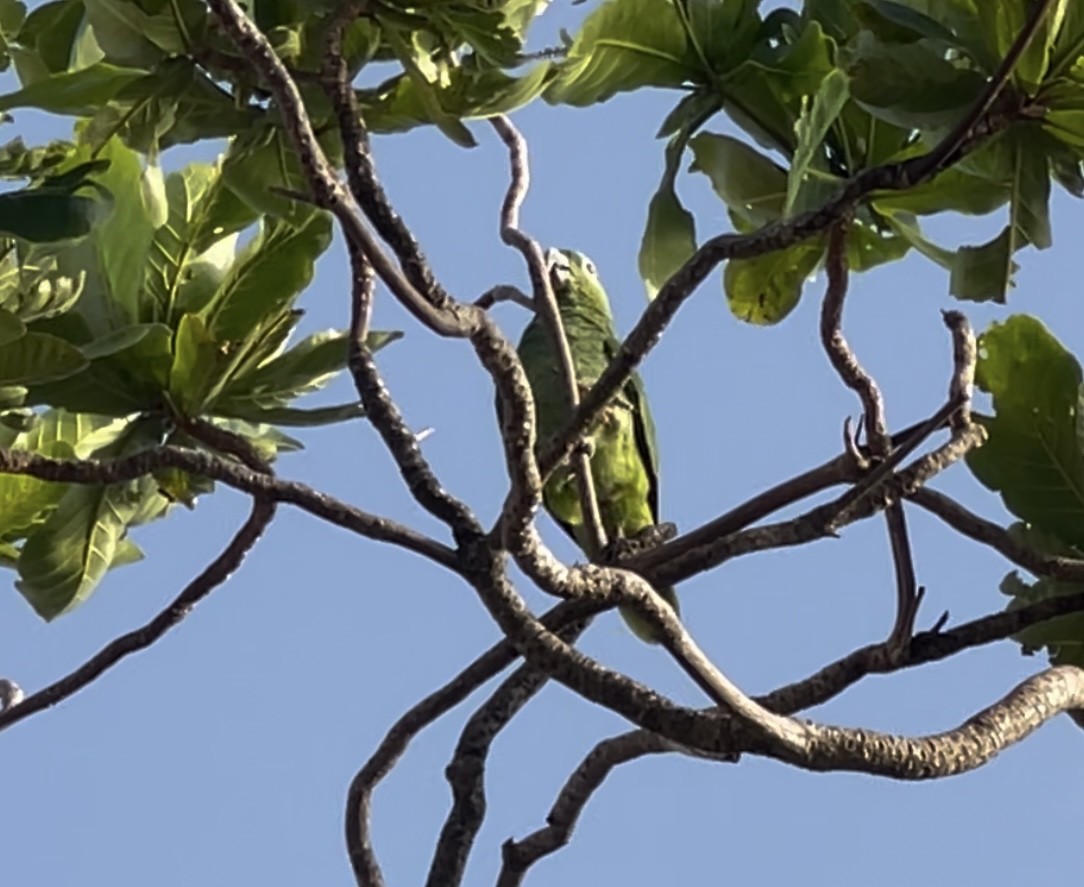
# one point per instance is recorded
(114, 333)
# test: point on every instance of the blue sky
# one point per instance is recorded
(222, 754)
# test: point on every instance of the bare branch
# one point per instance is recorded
(854, 376)
(586, 779)
(321, 505)
(1065, 569)
(222, 440)
(870, 496)
(217, 572)
(504, 293)
(466, 771)
(546, 304)
(814, 690)
(361, 171)
(432, 707)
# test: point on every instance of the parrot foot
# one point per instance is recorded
(586, 447)
(642, 540)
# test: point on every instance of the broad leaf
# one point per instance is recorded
(670, 234)
(80, 93)
(38, 357)
(766, 289)
(65, 559)
(268, 275)
(624, 45)
(1034, 456)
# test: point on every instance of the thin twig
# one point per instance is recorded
(213, 575)
(854, 376)
(240, 477)
(1064, 569)
(504, 293)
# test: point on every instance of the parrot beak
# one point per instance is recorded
(558, 265)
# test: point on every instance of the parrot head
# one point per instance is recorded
(574, 279)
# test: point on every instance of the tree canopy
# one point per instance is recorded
(146, 319)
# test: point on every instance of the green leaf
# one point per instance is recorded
(469, 93)
(1034, 455)
(130, 36)
(624, 45)
(752, 186)
(268, 275)
(950, 191)
(260, 160)
(306, 367)
(764, 93)
(670, 234)
(984, 273)
(197, 363)
(899, 23)
(25, 500)
(1003, 22)
(44, 216)
(38, 357)
(427, 85)
(50, 29)
(267, 439)
(180, 275)
(64, 560)
(126, 552)
(812, 128)
(11, 327)
(290, 416)
(124, 239)
(766, 289)
(129, 374)
(909, 85)
(80, 92)
(1031, 189)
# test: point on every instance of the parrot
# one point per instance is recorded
(623, 452)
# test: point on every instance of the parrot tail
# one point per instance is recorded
(643, 629)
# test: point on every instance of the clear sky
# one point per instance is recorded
(221, 756)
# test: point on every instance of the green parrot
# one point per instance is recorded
(624, 455)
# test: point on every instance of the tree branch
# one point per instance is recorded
(217, 572)
(851, 372)
(1065, 569)
(951, 147)
(466, 771)
(773, 237)
(321, 505)
(546, 304)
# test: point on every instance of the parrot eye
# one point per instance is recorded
(589, 267)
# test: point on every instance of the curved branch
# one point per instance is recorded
(213, 575)
(546, 304)
(816, 689)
